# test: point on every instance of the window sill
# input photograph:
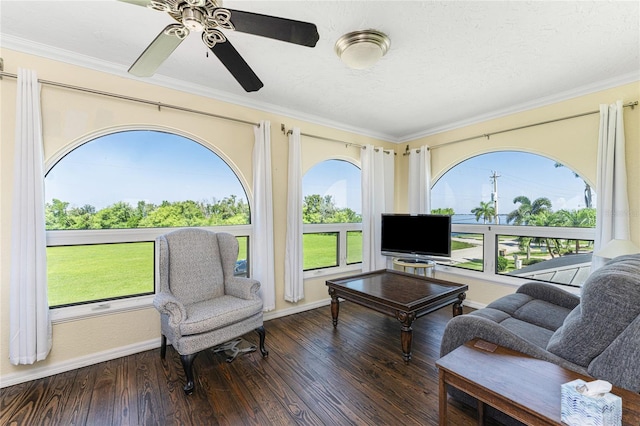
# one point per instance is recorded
(315, 273)
(74, 313)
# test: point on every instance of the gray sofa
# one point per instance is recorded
(597, 334)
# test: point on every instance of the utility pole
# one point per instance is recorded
(494, 195)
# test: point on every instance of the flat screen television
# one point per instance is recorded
(416, 236)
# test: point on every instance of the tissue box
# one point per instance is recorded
(582, 410)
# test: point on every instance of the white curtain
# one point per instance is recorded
(377, 198)
(30, 325)
(612, 220)
(293, 274)
(262, 258)
(420, 181)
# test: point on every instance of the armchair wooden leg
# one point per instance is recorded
(261, 333)
(187, 364)
(163, 347)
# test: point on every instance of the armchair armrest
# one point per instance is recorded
(243, 288)
(167, 303)
(550, 294)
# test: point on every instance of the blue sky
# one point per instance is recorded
(534, 176)
(153, 166)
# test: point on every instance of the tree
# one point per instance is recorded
(525, 212)
(56, 216)
(317, 209)
(583, 218)
(116, 216)
(486, 211)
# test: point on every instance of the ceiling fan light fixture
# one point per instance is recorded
(362, 49)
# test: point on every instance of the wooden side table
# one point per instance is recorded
(525, 388)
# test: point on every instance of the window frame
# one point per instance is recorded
(110, 236)
(341, 229)
(490, 249)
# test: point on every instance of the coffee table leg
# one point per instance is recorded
(406, 333)
(335, 307)
(457, 306)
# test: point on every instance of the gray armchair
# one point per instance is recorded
(201, 303)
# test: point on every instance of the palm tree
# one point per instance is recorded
(486, 211)
(583, 218)
(527, 212)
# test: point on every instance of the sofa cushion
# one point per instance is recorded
(543, 314)
(532, 333)
(610, 302)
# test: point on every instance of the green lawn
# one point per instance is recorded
(94, 272)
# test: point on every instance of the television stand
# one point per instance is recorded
(416, 264)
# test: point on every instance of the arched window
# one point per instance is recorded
(533, 213)
(107, 199)
(332, 215)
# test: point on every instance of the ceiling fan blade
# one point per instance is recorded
(159, 50)
(298, 32)
(237, 66)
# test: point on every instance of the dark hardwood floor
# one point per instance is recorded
(315, 374)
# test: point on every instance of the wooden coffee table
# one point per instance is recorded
(403, 296)
(525, 388)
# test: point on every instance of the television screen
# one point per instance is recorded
(420, 235)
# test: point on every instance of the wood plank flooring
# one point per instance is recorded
(314, 375)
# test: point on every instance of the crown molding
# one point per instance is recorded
(72, 58)
(526, 106)
(65, 56)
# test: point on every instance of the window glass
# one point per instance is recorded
(535, 215)
(104, 199)
(514, 188)
(332, 197)
(467, 250)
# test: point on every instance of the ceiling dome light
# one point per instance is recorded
(362, 49)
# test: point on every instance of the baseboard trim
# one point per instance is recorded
(35, 373)
(296, 309)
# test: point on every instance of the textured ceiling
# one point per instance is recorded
(450, 63)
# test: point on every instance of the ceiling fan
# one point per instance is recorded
(209, 18)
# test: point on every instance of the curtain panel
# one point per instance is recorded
(262, 257)
(30, 324)
(612, 220)
(419, 185)
(293, 260)
(377, 198)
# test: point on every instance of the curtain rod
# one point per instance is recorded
(288, 132)
(132, 99)
(488, 135)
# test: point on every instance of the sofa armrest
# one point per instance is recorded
(462, 328)
(166, 303)
(550, 293)
(243, 288)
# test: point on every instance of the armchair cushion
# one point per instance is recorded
(210, 315)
